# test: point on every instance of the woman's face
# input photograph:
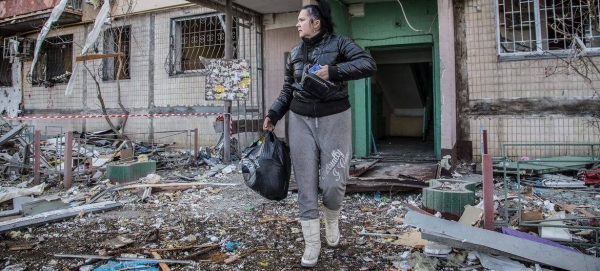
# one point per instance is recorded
(307, 28)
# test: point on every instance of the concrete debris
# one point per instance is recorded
(194, 213)
(522, 248)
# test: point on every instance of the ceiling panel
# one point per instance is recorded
(281, 6)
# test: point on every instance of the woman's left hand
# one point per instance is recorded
(323, 72)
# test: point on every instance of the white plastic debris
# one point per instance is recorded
(500, 263)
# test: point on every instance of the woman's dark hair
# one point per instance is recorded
(322, 12)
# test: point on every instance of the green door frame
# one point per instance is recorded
(360, 99)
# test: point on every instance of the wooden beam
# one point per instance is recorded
(121, 258)
(163, 266)
(521, 248)
(98, 56)
(172, 185)
(362, 168)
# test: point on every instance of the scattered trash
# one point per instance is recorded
(231, 246)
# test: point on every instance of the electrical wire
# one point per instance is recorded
(407, 22)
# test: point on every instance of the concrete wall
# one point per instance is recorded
(521, 101)
(12, 96)
(12, 8)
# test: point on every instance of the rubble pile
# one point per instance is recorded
(205, 218)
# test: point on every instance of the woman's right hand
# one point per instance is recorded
(268, 125)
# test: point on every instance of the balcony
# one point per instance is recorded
(23, 16)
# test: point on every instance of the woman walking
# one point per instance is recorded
(320, 125)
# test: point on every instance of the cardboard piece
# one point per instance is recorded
(471, 215)
(411, 239)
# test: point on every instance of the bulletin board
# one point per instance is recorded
(227, 79)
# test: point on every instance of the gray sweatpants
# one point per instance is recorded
(321, 149)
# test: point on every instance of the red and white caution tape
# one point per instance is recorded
(114, 116)
(123, 116)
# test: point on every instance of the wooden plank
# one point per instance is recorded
(22, 247)
(183, 248)
(163, 266)
(171, 185)
(418, 171)
(51, 216)
(97, 257)
(533, 251)
(375, 184)
(98, 56)
(362, 168)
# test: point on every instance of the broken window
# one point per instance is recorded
(197, 38)
(5, 71)
(547, 26)
(117, 40)
(55, 61)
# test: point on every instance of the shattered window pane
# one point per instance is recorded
(117, 40)
(547, 25)
(198, 38)
(55, 62)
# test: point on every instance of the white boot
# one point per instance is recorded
(312, 242)
(332, 230)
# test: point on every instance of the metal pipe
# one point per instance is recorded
(228, 55)
(488, 192)
(37, 152)
(68, 160)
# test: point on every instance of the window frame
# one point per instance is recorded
(175, 63)
(538, 53)
(48, 45)
(109, 36)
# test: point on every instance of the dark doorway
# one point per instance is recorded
(402, 104)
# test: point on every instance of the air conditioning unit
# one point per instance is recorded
(18, 47)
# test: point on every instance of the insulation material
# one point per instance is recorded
(101, 20)
(12, 97)
(56, 12)
(8, 193)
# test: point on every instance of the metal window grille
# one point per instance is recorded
(75, 5)
(55, 61)
(5, 71)
(117, 40)
(197, 38)
(535, 26)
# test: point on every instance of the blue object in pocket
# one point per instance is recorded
(314, 68)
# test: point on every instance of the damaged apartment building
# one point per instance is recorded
(525, 71)
(148, 57)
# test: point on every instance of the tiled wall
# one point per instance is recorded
(490, 79)
(185, 90)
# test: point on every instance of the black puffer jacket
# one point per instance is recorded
(346, 61)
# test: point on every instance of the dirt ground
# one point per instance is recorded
(211, 215)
